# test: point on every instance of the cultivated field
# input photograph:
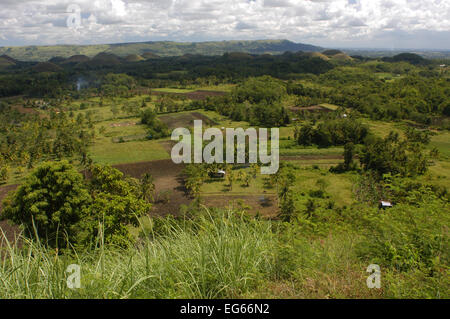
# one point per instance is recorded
(121, 141)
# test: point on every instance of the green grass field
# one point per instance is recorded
(382, 128)
(338, 187)
(442, 142)
(106, 151)
(129, 152)
(220, 87)
(310, 151)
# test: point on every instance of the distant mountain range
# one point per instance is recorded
(163, 49)
(110, 60)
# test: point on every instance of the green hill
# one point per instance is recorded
(6, 57)
(317, 55)
(5, 61)
(57, 59)
(76, 59)
(46, 67)
(134, 58)
(331, 53)
(103, 59)
(154, 49)
(342, 57)
(150, 55)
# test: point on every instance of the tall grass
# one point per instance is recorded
(224, 254)
(218, 256)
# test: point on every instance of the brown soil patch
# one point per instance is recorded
(157, 169)
(11, 232)
(197, 95)
(265, 205)
(176, 120)
(26, 110)
(168, 184)
(202, 95)
(204, 118)
(4, 190)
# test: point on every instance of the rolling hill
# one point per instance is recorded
(46, 67)
(134, 58)
(76, 59)
(154, 49)
(6, 61)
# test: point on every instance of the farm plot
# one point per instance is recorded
(109, 152)
(28, 110)
(264, 205)
(169, 187)
(120, 142)
(189, 94)
(314, 108)
(184, 119)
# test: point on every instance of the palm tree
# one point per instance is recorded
(231, 177)
(254, 170)
(240, 176)
(247, 180)
(284, 191)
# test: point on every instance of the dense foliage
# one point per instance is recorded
(333, 132)
(56, 205)
(50, 203)
(395, 156)
(29, 138)
(229, 255)
(157, 129)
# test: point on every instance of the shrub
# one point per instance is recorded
(257, 90)
(50, 203)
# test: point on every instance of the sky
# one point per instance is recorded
(387, 24)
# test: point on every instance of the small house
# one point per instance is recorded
(385, 205)
(218, 174)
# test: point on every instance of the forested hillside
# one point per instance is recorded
(167, 48)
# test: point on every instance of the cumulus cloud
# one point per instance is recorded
(345, 23)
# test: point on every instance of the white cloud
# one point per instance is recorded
(324, 22)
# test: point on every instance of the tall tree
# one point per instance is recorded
(50, 203)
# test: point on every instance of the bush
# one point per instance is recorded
(157, 129)
(50, 203)
(332, 133)
(257, 90)
(406, 238)
(394, 156)
(4, 173)
(58, 207)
